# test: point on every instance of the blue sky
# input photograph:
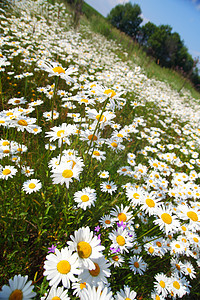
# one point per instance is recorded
(182, 15)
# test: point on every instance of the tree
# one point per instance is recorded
(126, 17)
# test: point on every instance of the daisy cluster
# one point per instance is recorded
(106, 147)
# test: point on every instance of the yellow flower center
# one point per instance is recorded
(151, 250)
(96, 271)
(127, 298)
(120, 135)
(67, 173)
(108, 186)
(136, 264)
(102, 118)
(22, 122)
(195, 240)
(162, 284)
(6, 143)
(84, 198)
(82, 285)
(115, 258)
(17, 101)
(6, 151)
(177, 246)
(59, 70)
(122, 217)
(114, 145)
(16, 295)
(31, 185)
(178, 267)
(136, 196)
(120, 240)
(63, 267)
(107, 221)
(84, 249)
(176, 285)
(158, 244)
(91, 137)
(107, 92)
(189, 270)
(56, 298)
(84, 100)
(150, 202)
(192, 215)
(124, 170)
(166, 218)
(60, 133)
(157, 297)
(6, 172)
(96, 153)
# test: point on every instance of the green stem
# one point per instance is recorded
(147, 232)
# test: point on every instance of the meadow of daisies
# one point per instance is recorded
(99, 167)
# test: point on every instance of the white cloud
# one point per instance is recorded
(145, 20)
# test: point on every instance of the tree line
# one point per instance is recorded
(159, 42)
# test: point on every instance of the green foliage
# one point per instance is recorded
(126, 18)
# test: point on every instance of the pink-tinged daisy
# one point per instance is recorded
(137, 265)
(18, 288)
(86, 246)
(61, 266)
(32, 185)
(126, 293)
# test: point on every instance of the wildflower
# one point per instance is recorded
(121, 214)
(52, 249)
(78, 288)
(56, 293)
(178, 286)
(103, 174)
(91, 293)
(86, 246)
(161, 284)
(95, 276)
(7, 172)
(109, 187)
(61, 132)
(166, 220)
(137, 265)
(18, 288)
(106, 221)
(85, 198)
(32, 185)
(126, 293)
(64, 173)
(61, 266)
(121, 239)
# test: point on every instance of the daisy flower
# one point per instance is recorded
(93, 293)
(32, 185)
(86, 246)
(121, 214)
(161, 284)
(7, 172)
(78, 288)
(116, 260)
(121, 239)
(178, 286)
(137, 265)
(61, 266)
(166, 220)
(190, 214)
(189, 270)
(64, 173)
(99, 274)
(18, 288)
(85, 198)
(126, 293)
(96, 153)
(17, 101)
(103, 174)
(106, 221)
(56, 293)
(60, 132)
(109, 187)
